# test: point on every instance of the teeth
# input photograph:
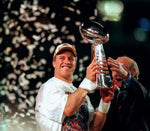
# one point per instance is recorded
(66, 67)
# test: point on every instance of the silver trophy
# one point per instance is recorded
(94, 33)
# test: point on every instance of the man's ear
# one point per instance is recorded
(53, 63)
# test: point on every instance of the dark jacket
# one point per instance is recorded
(134, 112)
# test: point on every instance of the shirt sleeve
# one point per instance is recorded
(51, 102)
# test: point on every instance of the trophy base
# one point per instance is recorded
(103, 81)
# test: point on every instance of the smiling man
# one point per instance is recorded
(60, 106)
(65, 63)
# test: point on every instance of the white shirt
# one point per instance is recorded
(50, 104)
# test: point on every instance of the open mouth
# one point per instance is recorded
(66, 67)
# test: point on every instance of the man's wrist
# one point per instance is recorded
(87, 84)
(104, 107)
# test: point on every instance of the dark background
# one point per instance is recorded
(25, 62)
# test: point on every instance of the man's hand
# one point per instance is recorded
(92, 70)
(107, 94)
(117, 67)
(96, 68)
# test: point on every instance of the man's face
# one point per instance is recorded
(64, 65)
(116, 76)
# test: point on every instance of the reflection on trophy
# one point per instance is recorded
(94, 33)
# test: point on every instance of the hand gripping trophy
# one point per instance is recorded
(94, 33)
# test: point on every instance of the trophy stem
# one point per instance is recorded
(102, 80)
(99, 52)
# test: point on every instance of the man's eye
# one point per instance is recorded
(61, 58)
(71, 59)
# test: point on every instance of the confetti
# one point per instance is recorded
(31, 30)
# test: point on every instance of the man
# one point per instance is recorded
(129, 112)
(61, 106)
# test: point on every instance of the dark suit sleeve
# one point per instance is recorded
(138, 89)
(143, 95)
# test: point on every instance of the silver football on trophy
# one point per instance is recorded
(95, 34)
